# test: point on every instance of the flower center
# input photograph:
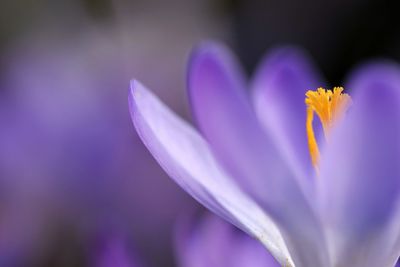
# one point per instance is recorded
(329, 106)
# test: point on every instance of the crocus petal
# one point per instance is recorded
(279, 88)
(360, 172)
(227, 120)
(224, 115)
(186, 157)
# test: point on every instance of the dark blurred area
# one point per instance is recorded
(76, 184)
(338, 34)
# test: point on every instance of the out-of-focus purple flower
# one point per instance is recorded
(213, 242)
(112, 250)
(252, 167)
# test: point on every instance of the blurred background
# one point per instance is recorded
(77, 187)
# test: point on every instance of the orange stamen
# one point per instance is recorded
(329, 106)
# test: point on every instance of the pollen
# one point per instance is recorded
(330, 106)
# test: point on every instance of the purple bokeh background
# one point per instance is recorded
(70, 160)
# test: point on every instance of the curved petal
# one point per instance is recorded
(279, 89)
(225, 117)
(360, 171)
(186, 157)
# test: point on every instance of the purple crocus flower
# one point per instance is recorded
(213, 242)
(251, 164)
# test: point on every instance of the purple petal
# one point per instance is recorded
(186, 157)
(279, 89)
(360, 171)
(226, 119)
